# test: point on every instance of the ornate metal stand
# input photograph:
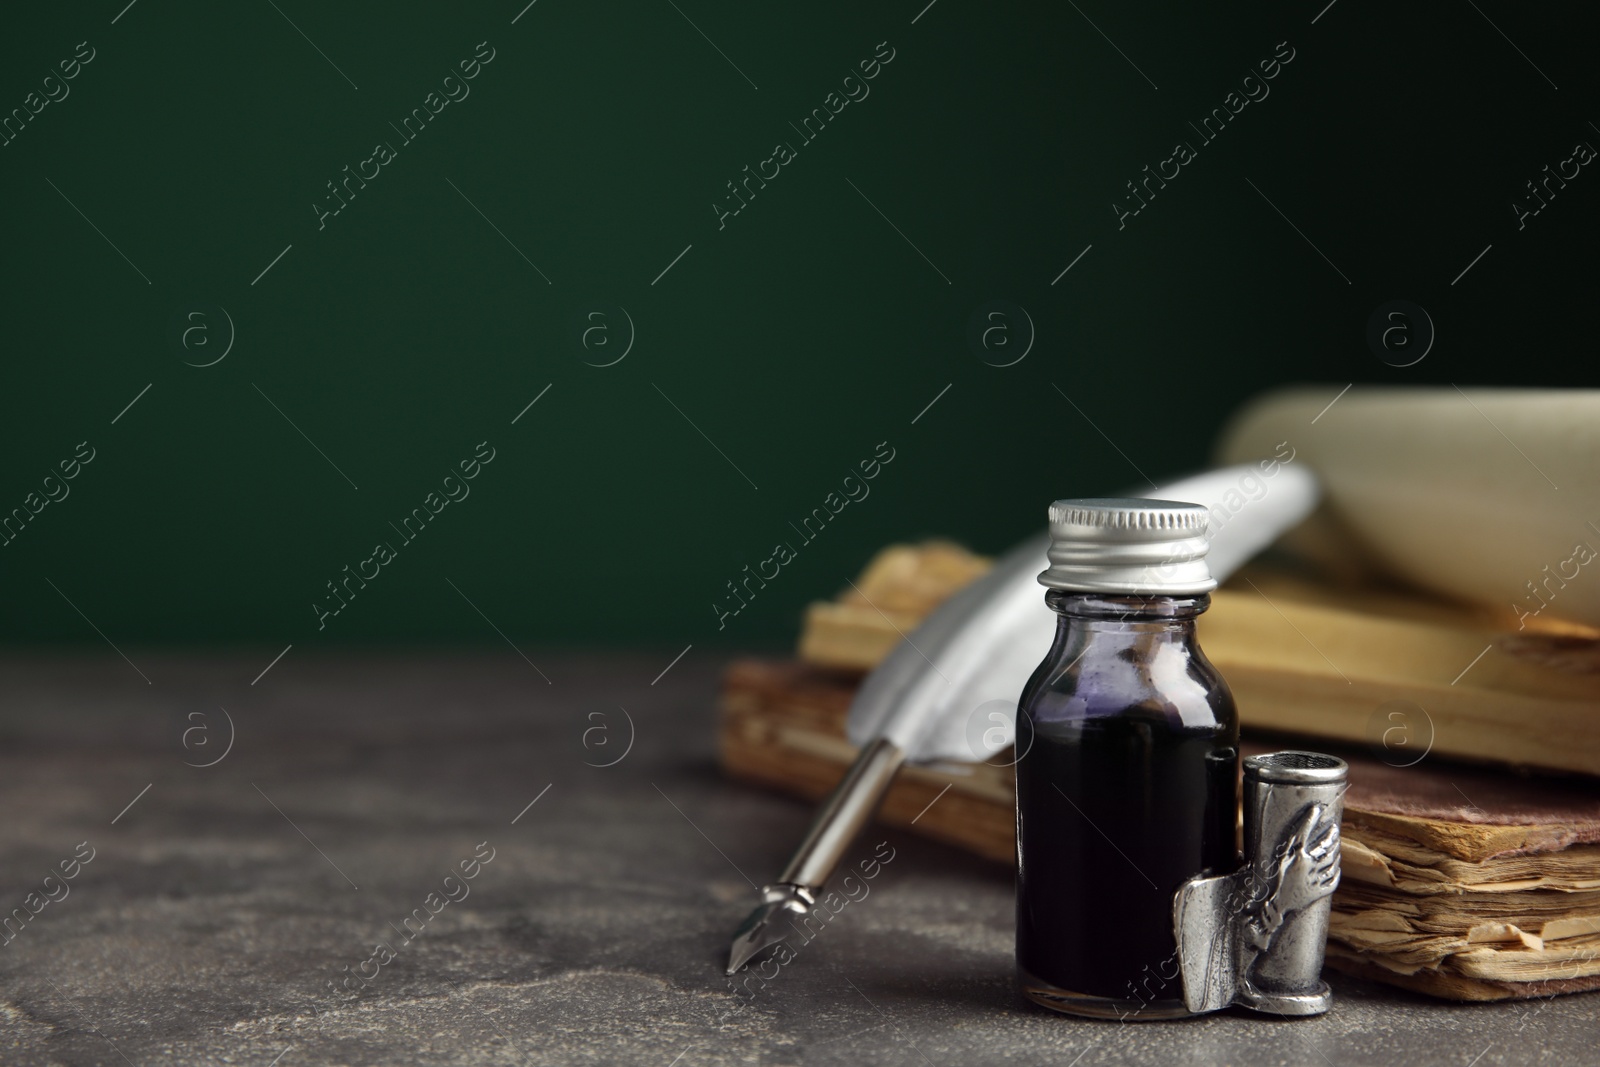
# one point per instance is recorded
(1256, 937)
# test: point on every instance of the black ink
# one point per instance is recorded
(1129, 788)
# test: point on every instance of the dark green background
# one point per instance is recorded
(797, 338)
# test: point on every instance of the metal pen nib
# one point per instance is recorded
(762, 929)
(845, 812)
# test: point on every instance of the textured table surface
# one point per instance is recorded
(220, 907)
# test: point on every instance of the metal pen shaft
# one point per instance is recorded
(843, 815)
(848, 808)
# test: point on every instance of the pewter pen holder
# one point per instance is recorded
(1256, 937)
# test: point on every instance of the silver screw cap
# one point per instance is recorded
(1129, 546)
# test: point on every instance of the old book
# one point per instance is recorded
(1306, 658)
(900, 587)
(1486, 898)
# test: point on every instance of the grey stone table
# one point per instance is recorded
(225, 905)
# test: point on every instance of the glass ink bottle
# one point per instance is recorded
(1127, 783)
